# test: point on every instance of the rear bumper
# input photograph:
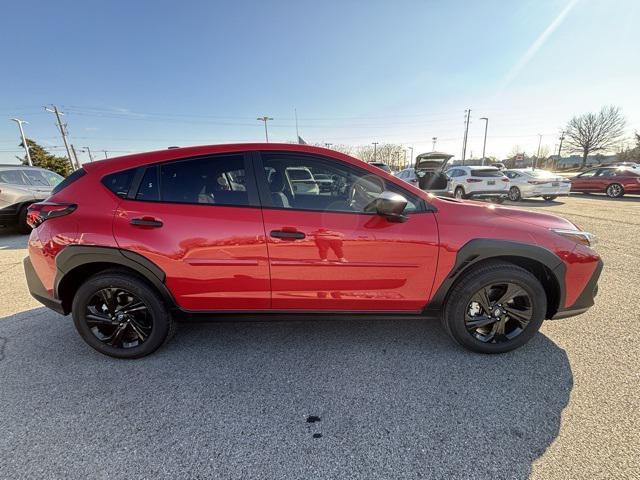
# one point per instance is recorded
(37, 290)
(586, 299)
(488, 193)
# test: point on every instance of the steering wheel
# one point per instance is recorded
(365, 190)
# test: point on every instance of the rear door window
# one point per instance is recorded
(214, 180)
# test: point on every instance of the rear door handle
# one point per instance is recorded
(146, 222)
(287, 235)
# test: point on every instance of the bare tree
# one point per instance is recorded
(388, 153)
(594, 132)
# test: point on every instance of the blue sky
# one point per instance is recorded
(136, 75)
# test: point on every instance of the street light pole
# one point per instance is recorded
(24, 140)
(265, 119)
(434, 140)
(466, 134)
(484, 145)
(375, 150)
(560, 148)
(411, 158)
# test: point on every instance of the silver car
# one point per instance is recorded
(528, 183)
(20, 186)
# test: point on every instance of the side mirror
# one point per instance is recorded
(391, 206)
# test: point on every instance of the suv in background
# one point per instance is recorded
(131, 244)
(478, 182)
(20, 186)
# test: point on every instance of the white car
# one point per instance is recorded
(302, 181)
(408, 175)
(528, 183)
(478, 182)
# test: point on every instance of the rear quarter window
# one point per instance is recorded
(119, 182)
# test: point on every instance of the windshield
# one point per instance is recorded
(486, 172)
(43, 178)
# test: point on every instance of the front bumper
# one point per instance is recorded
(37, 290)
(586, 299)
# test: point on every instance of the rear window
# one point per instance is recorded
(68, 181)
(486, 172)
(119, 182)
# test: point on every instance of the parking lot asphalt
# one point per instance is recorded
(394, 399)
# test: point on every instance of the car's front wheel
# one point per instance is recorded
(495, 308)
(120, 315)
(514, 194)
(459, 193)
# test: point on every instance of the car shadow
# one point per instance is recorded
(10, 239)
(376, 398)
(602, 196)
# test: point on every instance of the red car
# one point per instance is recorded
(614, 181)
(129, 245)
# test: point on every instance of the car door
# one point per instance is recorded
(200, 221)
(584, 182)
(327, 254)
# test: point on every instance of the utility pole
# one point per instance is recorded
(484, 145)
(535, 163)
(375, 150)
(265, 119)
(24, 140)
(295, 113)
(105, 154)
(89, 152)
(63, 132)
(466, 134)
(434, 140)
(560, 148)
(75, 156)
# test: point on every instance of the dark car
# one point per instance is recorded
(614, 181)
(381, 166)
(430, 171)
(132, 244)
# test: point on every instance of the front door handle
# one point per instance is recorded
(148, 222)
(287, 234)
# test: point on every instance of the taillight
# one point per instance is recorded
(39, 212)
(537, 182)
(473, 180)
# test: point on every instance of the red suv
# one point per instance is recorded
(129, 245)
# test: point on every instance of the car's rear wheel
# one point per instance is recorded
(23, 226)
(495, 308)
(514, 194)
(120, 315)
(459, 193)
(549, 198)
(615, 190)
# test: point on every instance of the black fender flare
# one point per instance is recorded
(74, 256)
(481, 249)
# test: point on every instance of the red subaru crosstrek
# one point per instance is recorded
(132, 244)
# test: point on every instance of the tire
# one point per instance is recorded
(23, 226)
(498, 200)
(158, 324)
(514, 194)
(459, 193)
(549, 198)
(615, 190)
(459, 303)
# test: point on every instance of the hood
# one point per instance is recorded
(544, 220)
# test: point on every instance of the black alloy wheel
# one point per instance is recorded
(495, 307)
(498, 313)
(118, 318)
(121, 315)
(514, 194)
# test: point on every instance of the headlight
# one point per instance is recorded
(578, 236)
